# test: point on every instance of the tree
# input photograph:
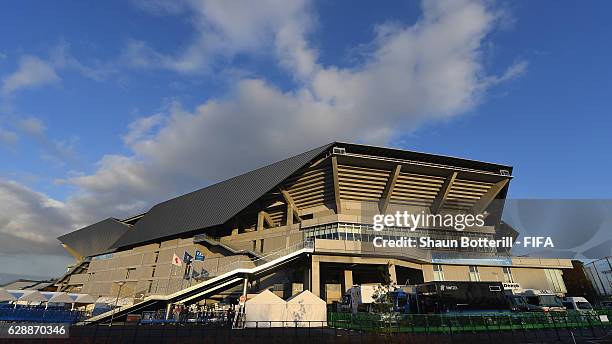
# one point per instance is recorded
(383, 300)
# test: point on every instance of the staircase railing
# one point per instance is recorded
(217, 242)
(242, 264)
(247, 264)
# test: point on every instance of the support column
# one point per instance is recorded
(260, 221)
(348, 279)
(244, 287)
(289, 214)
(315, 278)
(392, 274)
(258, 247)
(334, 162)
(306, 285)
(168, 308)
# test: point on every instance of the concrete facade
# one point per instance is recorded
(331, 201)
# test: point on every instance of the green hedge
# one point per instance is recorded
(447, 323)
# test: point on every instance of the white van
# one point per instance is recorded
(541, 300)
(579, 304)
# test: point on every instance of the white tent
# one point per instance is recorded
(6, 296)
(267, 309)
(28, 296)
(82, 298)
(306, 310)
(57, 297)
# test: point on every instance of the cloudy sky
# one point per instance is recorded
(108, 107)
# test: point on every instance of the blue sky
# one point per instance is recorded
(107, 107)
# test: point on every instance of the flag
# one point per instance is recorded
(176, 260)
(187, 258)
(199, 255)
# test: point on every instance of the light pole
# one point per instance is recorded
(116, 302)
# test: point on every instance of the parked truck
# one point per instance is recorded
(541, 300)
(361, 298)
(358, 298)
(442, 297)
(462, 297)
(578, 304)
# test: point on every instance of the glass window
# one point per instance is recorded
(555, 280)
(474, 275)
(583, 305)
(438, 273)
(508, 278)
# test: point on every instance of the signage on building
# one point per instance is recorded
(448, 287)
(511, 286)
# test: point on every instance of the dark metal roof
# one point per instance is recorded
(215, 204)
(95, 239)
(423, 157)
(218, 203)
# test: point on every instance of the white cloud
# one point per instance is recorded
(428, 71)
(31, 72)
(226, 28)
(31, 216)
(142, 127)
(29, 223)
(516, 70)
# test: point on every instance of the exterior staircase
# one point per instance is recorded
(225, 278)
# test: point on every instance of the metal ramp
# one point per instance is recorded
(231, 276)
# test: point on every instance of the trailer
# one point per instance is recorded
(461, 297)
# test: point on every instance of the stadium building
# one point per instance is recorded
(306, 222)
